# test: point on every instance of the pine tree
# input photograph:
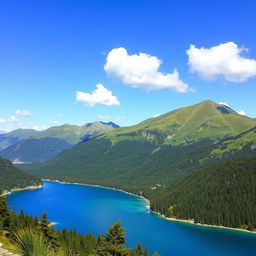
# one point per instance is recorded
(139, 250)
(113, 243)
(47, 231)
(4, 214)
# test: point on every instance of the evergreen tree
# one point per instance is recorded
(139, 250)
(113, 243)
(4, 214)
(47, 231)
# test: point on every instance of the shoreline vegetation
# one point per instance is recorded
(32, 187)
(191, 222)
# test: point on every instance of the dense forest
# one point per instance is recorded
(30, 236)
(223, 194)
(12, 177)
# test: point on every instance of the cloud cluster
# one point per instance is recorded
(40, 127)
(242, 113)
(100, 96)
(224, 60)
(141, 71)
(223, 103)
(23, 113)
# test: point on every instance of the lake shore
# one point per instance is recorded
(157, 213)
(32, 187)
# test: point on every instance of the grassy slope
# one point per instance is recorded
(11, 138)
(204, 120)
(35, 150)
(135, 161)
(12, 177)
(51, 142)
(73, 133)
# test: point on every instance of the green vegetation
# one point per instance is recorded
(72, 134)
(223, 194)
(187, 125)
(35, 150)
(149, 158)
(11, 138)
(12, 177)
(29, 236)
(51, 142)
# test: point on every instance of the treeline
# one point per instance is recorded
(12, 177)
(37, 237)
(222, 194)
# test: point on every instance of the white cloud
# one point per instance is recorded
(13, 119)
(223, 60)
(223, 103)
(100, 96)
(156, 115)
(2, 121)
(55, 122)
(142, 71)
(242, 113)
(23, 113)
(40, 127)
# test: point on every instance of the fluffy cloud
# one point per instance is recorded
(2, 121)
(223, 103)
(156, 115)
(100, 96)
(13, 119)
(40, 127)
(141, 71)
(242, 113)
(223, 60)
(23, 113)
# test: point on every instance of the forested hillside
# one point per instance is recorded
(10, 138)
(53, 141)
(223, 194)
(12, 177)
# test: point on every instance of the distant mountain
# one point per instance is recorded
(72, 134)
(12, 177)
(159, 150)
(11, 138)
(187, 125)
(223, 194)
(53, 141)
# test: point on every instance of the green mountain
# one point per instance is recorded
(72, 134)
(53, 141)
(12, 177)
(13, 137)
(153, 153)
(187, 125)
(223, 194)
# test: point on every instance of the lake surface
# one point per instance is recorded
(94, 209)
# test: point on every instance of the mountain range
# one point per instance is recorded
(205, 152)
(159, 150)
(10, 138)
(49, 143)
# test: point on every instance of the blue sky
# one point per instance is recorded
(51, 50)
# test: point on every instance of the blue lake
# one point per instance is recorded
(94, 209)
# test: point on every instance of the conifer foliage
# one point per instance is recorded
(35, 237)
